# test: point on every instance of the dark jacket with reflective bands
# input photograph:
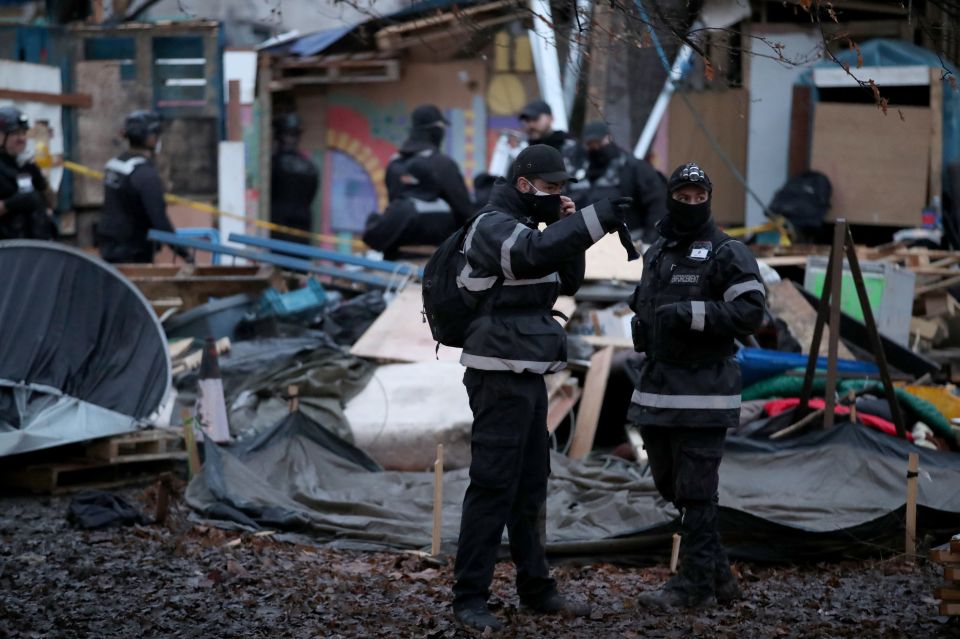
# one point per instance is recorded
(696, 295)
(132, 205)
(514, 329)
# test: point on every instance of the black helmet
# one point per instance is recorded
(288, 123)
(12, 119)
(689, 173)
(139, 124)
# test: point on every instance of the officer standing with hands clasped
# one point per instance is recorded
(700, 290)
(133, 192)
(25, 195)
(514, 273)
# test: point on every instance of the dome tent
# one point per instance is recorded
(82, 355)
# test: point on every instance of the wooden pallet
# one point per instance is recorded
(103, 463)
(187, 286)
(145, 445)
(949, 593)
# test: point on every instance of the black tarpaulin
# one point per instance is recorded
(826, 494)
(73, 329)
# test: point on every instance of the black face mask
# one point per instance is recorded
(434, 134)
(542, 208)
(602, 156)
(687, 217)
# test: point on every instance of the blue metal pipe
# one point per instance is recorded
(305, 250)
(268, 258)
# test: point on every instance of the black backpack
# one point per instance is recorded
(804, 200)
(446, 308)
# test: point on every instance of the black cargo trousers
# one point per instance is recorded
(685, 464)
(508, 486)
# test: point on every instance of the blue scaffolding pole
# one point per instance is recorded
(312, 252)
(283, 261)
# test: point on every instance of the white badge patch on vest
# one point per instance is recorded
(700, 250)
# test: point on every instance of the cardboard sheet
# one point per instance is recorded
(607, 260)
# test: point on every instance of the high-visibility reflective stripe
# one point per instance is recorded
(592, 220)
(124, 167)
(553, 277)
(486, 363)
(475, 284)
(430, 206)
(699, 316)
(737, 290)
(693, 402)
(508, 243)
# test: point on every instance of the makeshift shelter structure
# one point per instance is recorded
(82, 354)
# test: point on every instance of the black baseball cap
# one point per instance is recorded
(542, 161)
(534, 110)
(689, 173)
(427, 115)
(595, 131)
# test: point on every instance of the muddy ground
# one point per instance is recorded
(183, 579)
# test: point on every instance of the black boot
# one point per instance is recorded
(555, 603)
(476, 619)
(725, 585)
(677, 593)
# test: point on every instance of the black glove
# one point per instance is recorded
(674, 316)
(24, 203)
(621, 207)
(183, 253)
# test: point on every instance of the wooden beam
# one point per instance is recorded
(936, 135)
(801, 124)
(81, 100)
(594, 388)
(234, 126)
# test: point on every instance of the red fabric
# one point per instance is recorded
(777, 406)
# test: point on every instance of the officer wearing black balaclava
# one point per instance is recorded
(700, 291)
(608, 171)
(512, 277)
(420, 152)
(25, 195)
(133, 195)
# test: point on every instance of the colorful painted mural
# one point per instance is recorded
(363, 135)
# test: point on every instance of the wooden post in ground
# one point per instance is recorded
(675, 553)
(836, 282)
(910, 547)
(190, 441)
(293, 404)
(164, 486)
(437, 501)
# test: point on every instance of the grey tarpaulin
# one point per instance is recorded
(828, 493)
(82, 354)
(257, 373)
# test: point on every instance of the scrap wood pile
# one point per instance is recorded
(948, 556)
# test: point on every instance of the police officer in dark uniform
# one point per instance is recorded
(133, 196)
(700, 290)
(420, 154)
(537, 121)
(25, 195)
(416, 216)
(294, 180)
(611, 172)
(513, 274)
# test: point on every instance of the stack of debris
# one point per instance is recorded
(948, 555)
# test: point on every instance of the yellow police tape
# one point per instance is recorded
(778, 224)
(212, 210)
